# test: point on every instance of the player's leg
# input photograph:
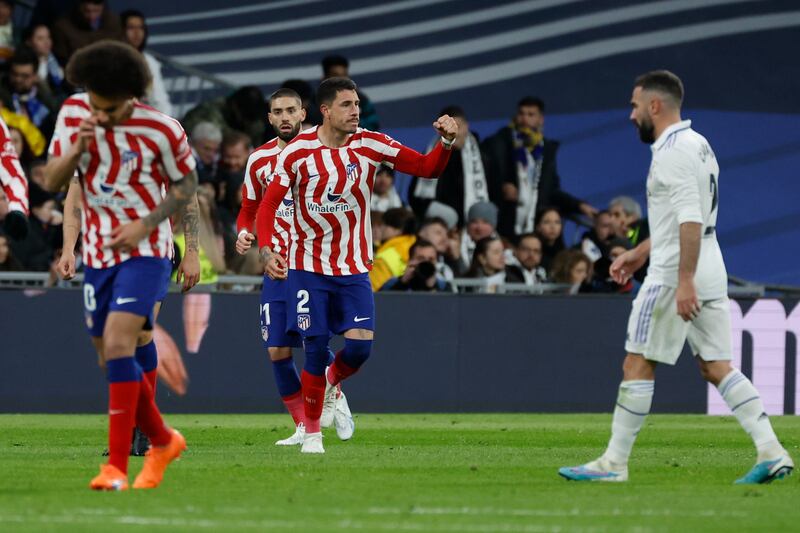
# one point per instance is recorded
(147, 358)
(709, 337)
(653, 328)
(307, 314)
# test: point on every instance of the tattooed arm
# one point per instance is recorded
(189, 269)
(128, 236)
(71, 229)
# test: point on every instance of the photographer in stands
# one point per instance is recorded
(420, 273)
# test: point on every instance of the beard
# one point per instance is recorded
(646, 131)
(286, 137)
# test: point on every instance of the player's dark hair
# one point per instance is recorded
(333, 60)
(419, 243)
(662, 81)
(284, 92)
(329, 88)
(400, 218)
(453, 111)
(110, 69)
(531, 101)
(24, 56)
(135, 13)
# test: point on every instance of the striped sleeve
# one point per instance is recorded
(12, 177)
(176, 155)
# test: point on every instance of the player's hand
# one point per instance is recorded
(686, 300)
(66, 265)
(244, 242)
(274, 264)
(624, 266)
(189, 270)
(446, 126)
(85, 134)
(128, 236)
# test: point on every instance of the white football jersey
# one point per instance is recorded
(683, 186)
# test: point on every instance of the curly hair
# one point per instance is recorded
(110, 69)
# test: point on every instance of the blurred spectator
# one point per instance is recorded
(38, 39)
(8, 263)
(88, 22)
(463, 181)
(481, 223)
(243, 110)
(626, 214)
(32, 137)
(135, 28)
(574, 268)
(205, 139)
(37, 251)
(336, 66)
(20, 146)
(436, 231)
(308, 101)
(8, 33)
(420, 273)
(384, 195)
(489, 263)
(23, 92)
(550, 231)
(391, 257)
(35, 172)
(528, 254)
(48, 11)
(233, 161)
(595, 241)
(521, 165)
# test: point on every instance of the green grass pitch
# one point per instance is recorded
(459, 473)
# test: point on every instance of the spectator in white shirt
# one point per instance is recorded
(384, 195)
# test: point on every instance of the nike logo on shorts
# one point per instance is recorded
(122, 301)
(360, 319)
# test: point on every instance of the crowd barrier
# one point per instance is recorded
(432, 353)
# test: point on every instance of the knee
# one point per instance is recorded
(714, 371)
(636, 367)
(279, 353)
(356, 352)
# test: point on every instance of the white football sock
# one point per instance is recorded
(633, 405)
(745, 402)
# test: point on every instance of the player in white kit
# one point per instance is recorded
(684, 296)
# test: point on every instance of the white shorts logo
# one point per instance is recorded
(265, 333)
(304, 322)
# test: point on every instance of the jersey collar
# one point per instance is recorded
(665, 135)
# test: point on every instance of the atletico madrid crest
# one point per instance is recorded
(304, 322)
(352, 171)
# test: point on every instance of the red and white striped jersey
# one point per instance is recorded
(257, 175)
(332, 190)
(12, 177)
(125, 173)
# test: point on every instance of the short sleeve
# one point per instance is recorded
(677, 171)
(381, 148)
(177, 156)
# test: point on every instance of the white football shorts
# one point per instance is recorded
(656, 331)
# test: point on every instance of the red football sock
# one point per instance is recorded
(148, 417)
(313, 395)
(295, 406)
(122, 407)
(339, 371)
(152, 378)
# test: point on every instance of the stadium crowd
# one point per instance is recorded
(496, 214)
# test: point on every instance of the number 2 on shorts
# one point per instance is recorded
(302, 300)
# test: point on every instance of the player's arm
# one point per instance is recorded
(432, 164)
(61, 167)
(629, 262)
(274, 264)
(71, 229)
(128, 236)
(15, 186)
(189, 270)
(251, 198)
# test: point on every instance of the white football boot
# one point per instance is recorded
(329, 402)
(296, 438)
(343, 418)
(312, 443)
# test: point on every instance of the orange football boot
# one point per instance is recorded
(156, 461)
(109, 478)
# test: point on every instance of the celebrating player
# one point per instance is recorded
(684, 295)
(15, 187)
(330, 170)
(286, 116)
(126, 154)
